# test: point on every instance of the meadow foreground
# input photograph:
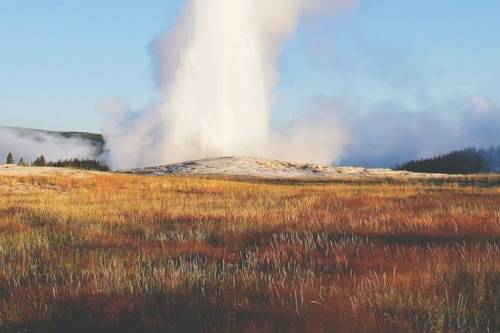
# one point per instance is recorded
(100, 252)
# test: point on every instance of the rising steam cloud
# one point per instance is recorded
(216, 73)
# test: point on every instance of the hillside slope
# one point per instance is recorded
(466, 161)
(96, 140)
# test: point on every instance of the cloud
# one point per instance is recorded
(387, 134)
(216, 72)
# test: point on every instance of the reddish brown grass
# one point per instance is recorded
(117, 253)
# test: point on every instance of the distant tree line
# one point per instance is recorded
(466, 161)
(75, 163)
(88, 164)
(39, 161)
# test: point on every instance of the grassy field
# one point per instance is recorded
(121, 253)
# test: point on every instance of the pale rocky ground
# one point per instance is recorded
(231, 166)
(259, 167)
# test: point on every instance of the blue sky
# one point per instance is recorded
(59, 58)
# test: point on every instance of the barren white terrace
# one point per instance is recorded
(259, 167)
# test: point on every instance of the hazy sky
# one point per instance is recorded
(59, 58)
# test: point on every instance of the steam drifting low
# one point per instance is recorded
(29, 144)
(216, 72)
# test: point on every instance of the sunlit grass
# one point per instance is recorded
(118, 253)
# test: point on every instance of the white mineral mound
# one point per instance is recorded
(259, 167)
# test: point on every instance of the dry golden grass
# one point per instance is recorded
(120, 253)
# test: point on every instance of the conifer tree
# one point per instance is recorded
(40, 161)
(10, 159)
(21, 162)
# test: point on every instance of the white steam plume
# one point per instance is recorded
(216, 71)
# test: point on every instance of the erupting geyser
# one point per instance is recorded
(216, 71)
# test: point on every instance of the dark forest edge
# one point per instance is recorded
(88, 164)
(466, 161)
(74, 163)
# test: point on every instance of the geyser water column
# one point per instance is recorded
(216, 72)
(219, 99)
